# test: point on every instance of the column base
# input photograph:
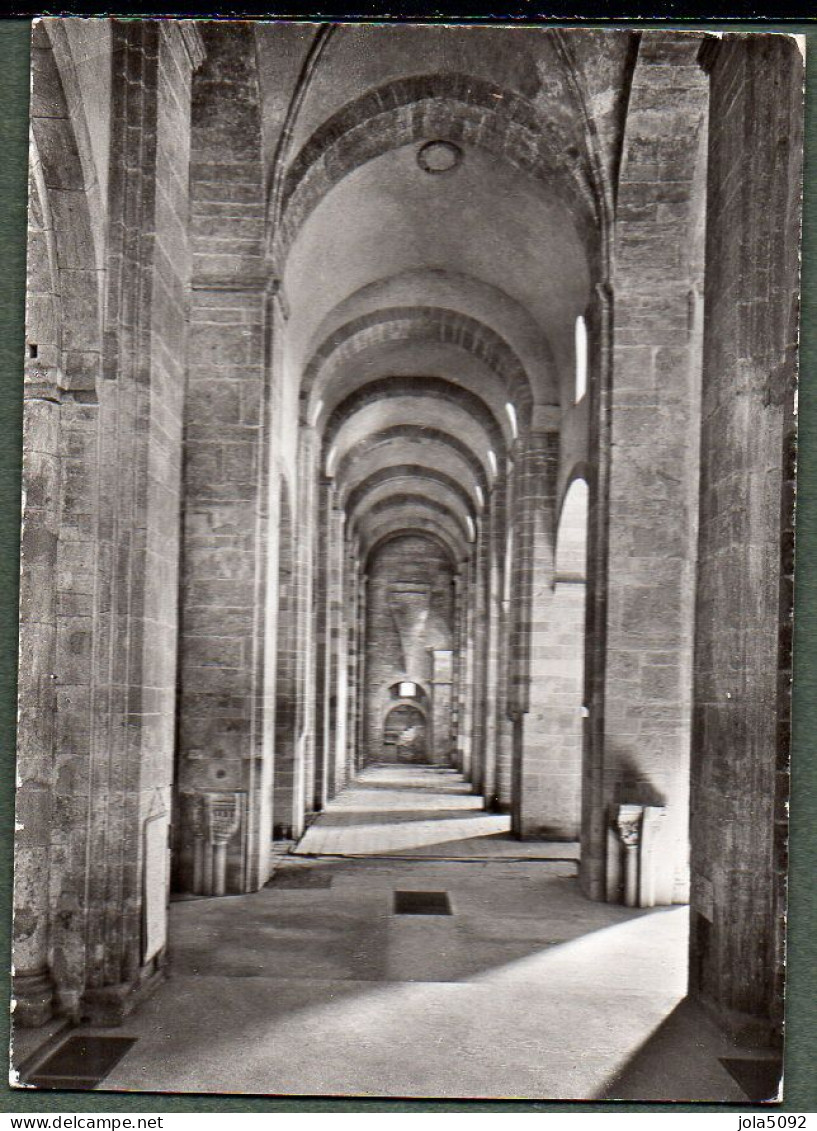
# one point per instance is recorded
(108, 1006)
(33, 996)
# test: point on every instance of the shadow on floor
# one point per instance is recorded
(712, 1064)
(526, 989)
(335, 919)
(354, 818)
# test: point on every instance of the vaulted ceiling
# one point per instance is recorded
(439, 197)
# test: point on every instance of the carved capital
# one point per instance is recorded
(628, 824)
(222, 816)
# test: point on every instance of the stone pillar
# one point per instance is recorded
(33, 987)
(508, 544)
(322, 647)
(480, 637)
(466, 665)
(236, 326)
(628, 821)
(742, 659)
(548, 639)
(496, 551)
(645, 451)
(356, 761)
(340, 611)
(308, 451)
(353, 648)
(98, 940)
(441, 698)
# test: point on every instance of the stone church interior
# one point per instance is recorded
(407, 558)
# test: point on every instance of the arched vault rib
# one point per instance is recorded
(460, 108)
(408, 471)
(403, 509)
(348, 458)
(385, 531)
(392, 535)
(400, 452)
(411, 324)
(424, 388)
(429, 414)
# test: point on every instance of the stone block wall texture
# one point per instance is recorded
(640, 750)
(323, 655)
(192, 589)
(49, 419)
(740, 744)
(490, 692)
(221, 651)
(547, 656)
(286, 664)
(112, 453)
(409, 612)
(137, 543)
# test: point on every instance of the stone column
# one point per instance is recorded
(480, 636)
(466, 661)
(547, 697)
(640, 715)
(32, 987)
(507, 545)
(494, 577)
(322, 646)
(308, 452)
(742, 658)
(628, 821)
(353, 648)
(355, 763)
(441, 698)
(98, 937)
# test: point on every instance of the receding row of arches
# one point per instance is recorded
(408, 455)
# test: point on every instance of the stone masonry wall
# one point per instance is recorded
(640, 750)
(224, 553)
(133, 660)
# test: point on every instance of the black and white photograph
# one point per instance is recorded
(407, 560)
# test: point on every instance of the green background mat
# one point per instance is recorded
(801, 1009)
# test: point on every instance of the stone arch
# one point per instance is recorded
(409, 498)
(403, 509)
(571, 534)
(405, 734)
(64, 172)
(427, 324)
(422, 387)
(408, 470)
(460, 108)
(572, 516)
(413, 432)
(440, 539)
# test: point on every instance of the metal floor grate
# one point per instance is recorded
(421, 903)
(80, 1063)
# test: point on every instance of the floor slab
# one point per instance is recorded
(426, 811)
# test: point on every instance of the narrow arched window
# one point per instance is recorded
(581, 358)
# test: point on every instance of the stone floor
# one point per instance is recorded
(428, 811)
(315, 986)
